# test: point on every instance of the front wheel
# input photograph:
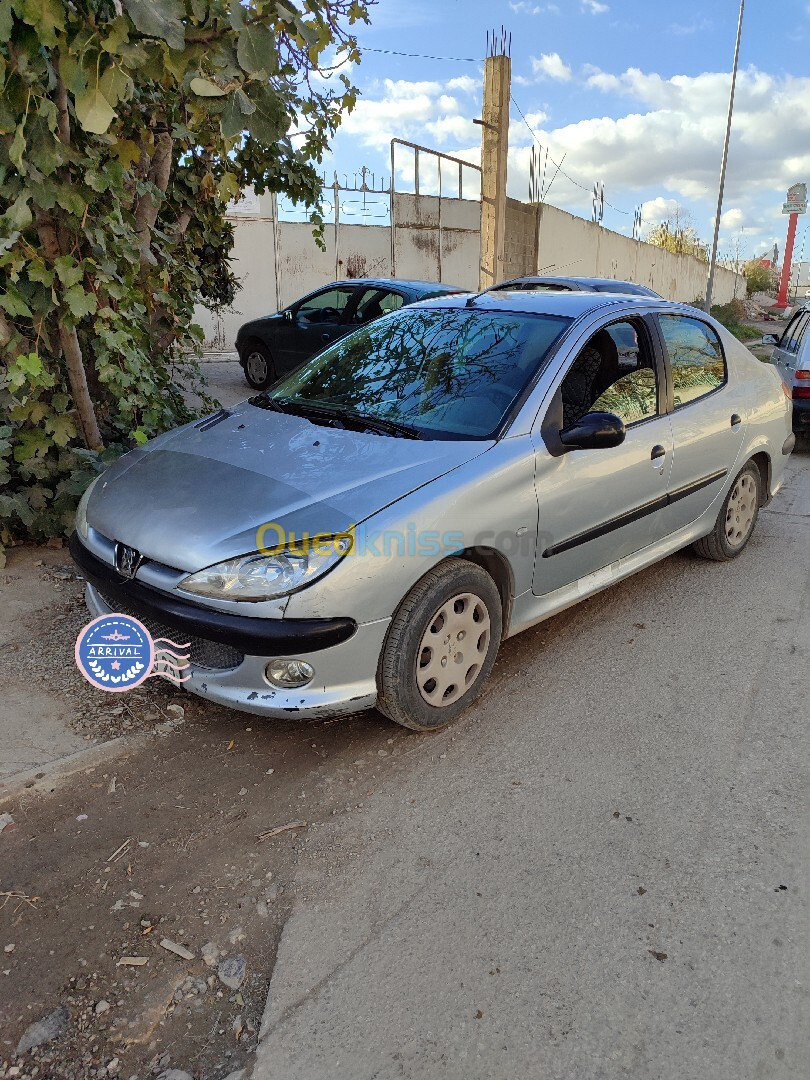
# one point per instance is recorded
(260, 371)
(440, 647)
(736, 520)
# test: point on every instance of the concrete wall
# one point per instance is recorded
(521, 239)
(437, 240)
(569, 245)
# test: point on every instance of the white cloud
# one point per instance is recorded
(654, 211)
(551, 66)
(594, 7)
(519, 133)
(687, 29)
(458, 130)
(419, 111)
(466, 84)
(671, 142)
(523, 7)
(733, 219)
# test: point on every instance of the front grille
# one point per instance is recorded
(202, 653)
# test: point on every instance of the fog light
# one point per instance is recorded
(289, 674)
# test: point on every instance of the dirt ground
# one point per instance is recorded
(163, 842)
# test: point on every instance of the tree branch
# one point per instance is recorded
(146, 209)
(71, 349)
(62, 114)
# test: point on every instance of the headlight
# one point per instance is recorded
(263, 577)
(81, 510)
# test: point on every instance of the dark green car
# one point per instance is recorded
(271, 347)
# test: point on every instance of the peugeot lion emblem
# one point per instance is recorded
(127, 560)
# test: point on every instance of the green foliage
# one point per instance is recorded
(758, 278)
(731, 316)
(125, 128)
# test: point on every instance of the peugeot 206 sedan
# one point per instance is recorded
(370, 530)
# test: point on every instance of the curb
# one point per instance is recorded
(44, 779)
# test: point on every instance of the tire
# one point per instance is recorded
(404, 675)
(258, 366)
(736, 520)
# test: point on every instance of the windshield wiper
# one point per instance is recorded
(380, 423)
(335, 417)
(264, 401)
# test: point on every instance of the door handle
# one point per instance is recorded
(735, 420)
(325, 337)
(657, 455)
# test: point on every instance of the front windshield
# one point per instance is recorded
(441, 372)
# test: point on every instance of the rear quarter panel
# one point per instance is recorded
(769, 422)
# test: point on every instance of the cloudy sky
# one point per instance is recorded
(632, 93)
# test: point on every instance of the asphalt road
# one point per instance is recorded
(599, 871)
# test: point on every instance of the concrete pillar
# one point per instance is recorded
(494, 149)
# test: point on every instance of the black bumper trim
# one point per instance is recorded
(255, 637)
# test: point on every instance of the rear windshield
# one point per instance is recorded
(448, 373)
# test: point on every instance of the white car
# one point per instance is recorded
(791, 356)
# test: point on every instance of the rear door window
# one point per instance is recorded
(791, 338)
(696, 357)
(376, 302)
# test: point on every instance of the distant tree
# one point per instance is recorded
(758, 278)
(679, 238)
(126, 127)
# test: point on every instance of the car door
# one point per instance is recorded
(709, 414)
(597, 506)
(311, 324)
(785, 353)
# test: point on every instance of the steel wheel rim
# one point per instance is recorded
(453, 649)
(740, 510)
(256, 366)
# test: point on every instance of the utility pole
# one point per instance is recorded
(494, 148)
(713, 262)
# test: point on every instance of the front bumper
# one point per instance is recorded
(228, 660)
(345, 676)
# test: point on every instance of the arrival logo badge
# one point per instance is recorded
(116, 652)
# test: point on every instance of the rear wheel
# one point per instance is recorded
(736, 520)
(440, 647)
(260, 371)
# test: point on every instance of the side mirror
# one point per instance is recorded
(770, 339)
(594, 431)
(289, 316)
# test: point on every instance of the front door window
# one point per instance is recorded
(615, 372)
(326, 306)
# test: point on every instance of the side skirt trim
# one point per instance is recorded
(634, 515)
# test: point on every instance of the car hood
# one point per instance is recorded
(256, 324)
(197, 495)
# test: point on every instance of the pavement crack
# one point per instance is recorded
(314, 992)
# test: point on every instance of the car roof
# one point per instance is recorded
(588, 283)
(402, 283)
(568, 304)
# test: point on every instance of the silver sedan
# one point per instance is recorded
(370, 530)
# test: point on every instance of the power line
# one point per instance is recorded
(424, 56)
(560, 169)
